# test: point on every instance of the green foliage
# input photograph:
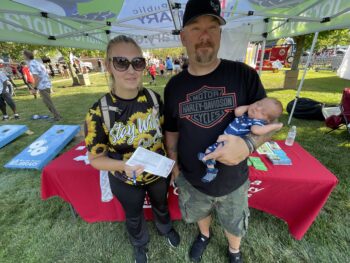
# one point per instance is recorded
(164, 52)
(33, 230)
(16, 51)
(329, 38)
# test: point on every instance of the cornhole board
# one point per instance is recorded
(45, 148)
(10, 132)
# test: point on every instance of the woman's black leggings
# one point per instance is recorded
(132, 199)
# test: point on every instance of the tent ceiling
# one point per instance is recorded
(90, 23)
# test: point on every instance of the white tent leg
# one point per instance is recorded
(256, 48)
(302, 79)
(262, 56)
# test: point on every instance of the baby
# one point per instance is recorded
(255, 118)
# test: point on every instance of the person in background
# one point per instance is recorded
(191, 123)
(42, 82)
(161, 68)
(60, 70)
(177, 67)
(100, 66)
(184, 64)
(28, 79)
(6, 95)
(153, 72)
(66, 73)
(7, 69)
(169, 66)
(110, 148)
(76, 66)
(51, 70)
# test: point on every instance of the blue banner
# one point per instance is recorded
(45, 148)
(10, 132)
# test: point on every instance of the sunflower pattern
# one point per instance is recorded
(135, 125)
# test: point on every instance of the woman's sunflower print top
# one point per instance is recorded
(136, 124)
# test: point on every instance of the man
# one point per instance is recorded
(6, 90)
(199, 104)
(41, 82)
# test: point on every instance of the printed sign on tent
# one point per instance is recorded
(45, 148)
(10, 132)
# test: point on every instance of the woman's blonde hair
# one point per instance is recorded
(115, 41)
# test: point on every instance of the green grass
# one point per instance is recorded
(32, 230)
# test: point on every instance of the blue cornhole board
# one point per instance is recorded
(45, 148)
(10, 132)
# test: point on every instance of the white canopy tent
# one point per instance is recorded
(155, 24)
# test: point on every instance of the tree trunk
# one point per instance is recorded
(299, 40)
(74, 76)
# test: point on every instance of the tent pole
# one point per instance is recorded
(262, 56)
(303, 78)
(176, 21)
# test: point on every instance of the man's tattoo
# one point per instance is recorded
(258, 140)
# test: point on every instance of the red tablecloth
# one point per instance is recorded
(293, 193)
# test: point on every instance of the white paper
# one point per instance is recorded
(154, 163)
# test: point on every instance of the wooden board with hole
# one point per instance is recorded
(10, 132)
(45, 148)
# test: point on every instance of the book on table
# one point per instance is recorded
(274, 153)
(279, 157)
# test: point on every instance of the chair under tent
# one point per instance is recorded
(337, 117)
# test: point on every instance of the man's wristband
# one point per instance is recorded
(249, 143)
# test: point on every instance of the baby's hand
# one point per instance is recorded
(277, 126)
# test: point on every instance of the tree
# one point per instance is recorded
(15, 52)
(299, 41)
(65, 53)
(325, 39)
(330, 38)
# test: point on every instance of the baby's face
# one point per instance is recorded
(261, 109)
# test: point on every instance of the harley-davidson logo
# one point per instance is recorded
(207, 106)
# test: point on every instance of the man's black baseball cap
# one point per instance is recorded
(196, 8)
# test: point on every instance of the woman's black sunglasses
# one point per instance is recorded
(122, 63)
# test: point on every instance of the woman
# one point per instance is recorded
(111, 143)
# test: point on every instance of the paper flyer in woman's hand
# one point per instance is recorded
(154, 163)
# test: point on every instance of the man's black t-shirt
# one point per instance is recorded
(200, 108)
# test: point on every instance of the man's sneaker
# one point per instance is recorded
(235, 257)
(173, 238)
(198, 247)
(140, 254)
(16, 116)
(5, 118)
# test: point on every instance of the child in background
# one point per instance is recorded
(161, 68)
(28, 79)
(153, 72)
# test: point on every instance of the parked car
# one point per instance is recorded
(88, 65)
(340, 51)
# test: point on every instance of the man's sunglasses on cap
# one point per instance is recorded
(122, 63)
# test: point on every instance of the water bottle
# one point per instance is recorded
(291, 136)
